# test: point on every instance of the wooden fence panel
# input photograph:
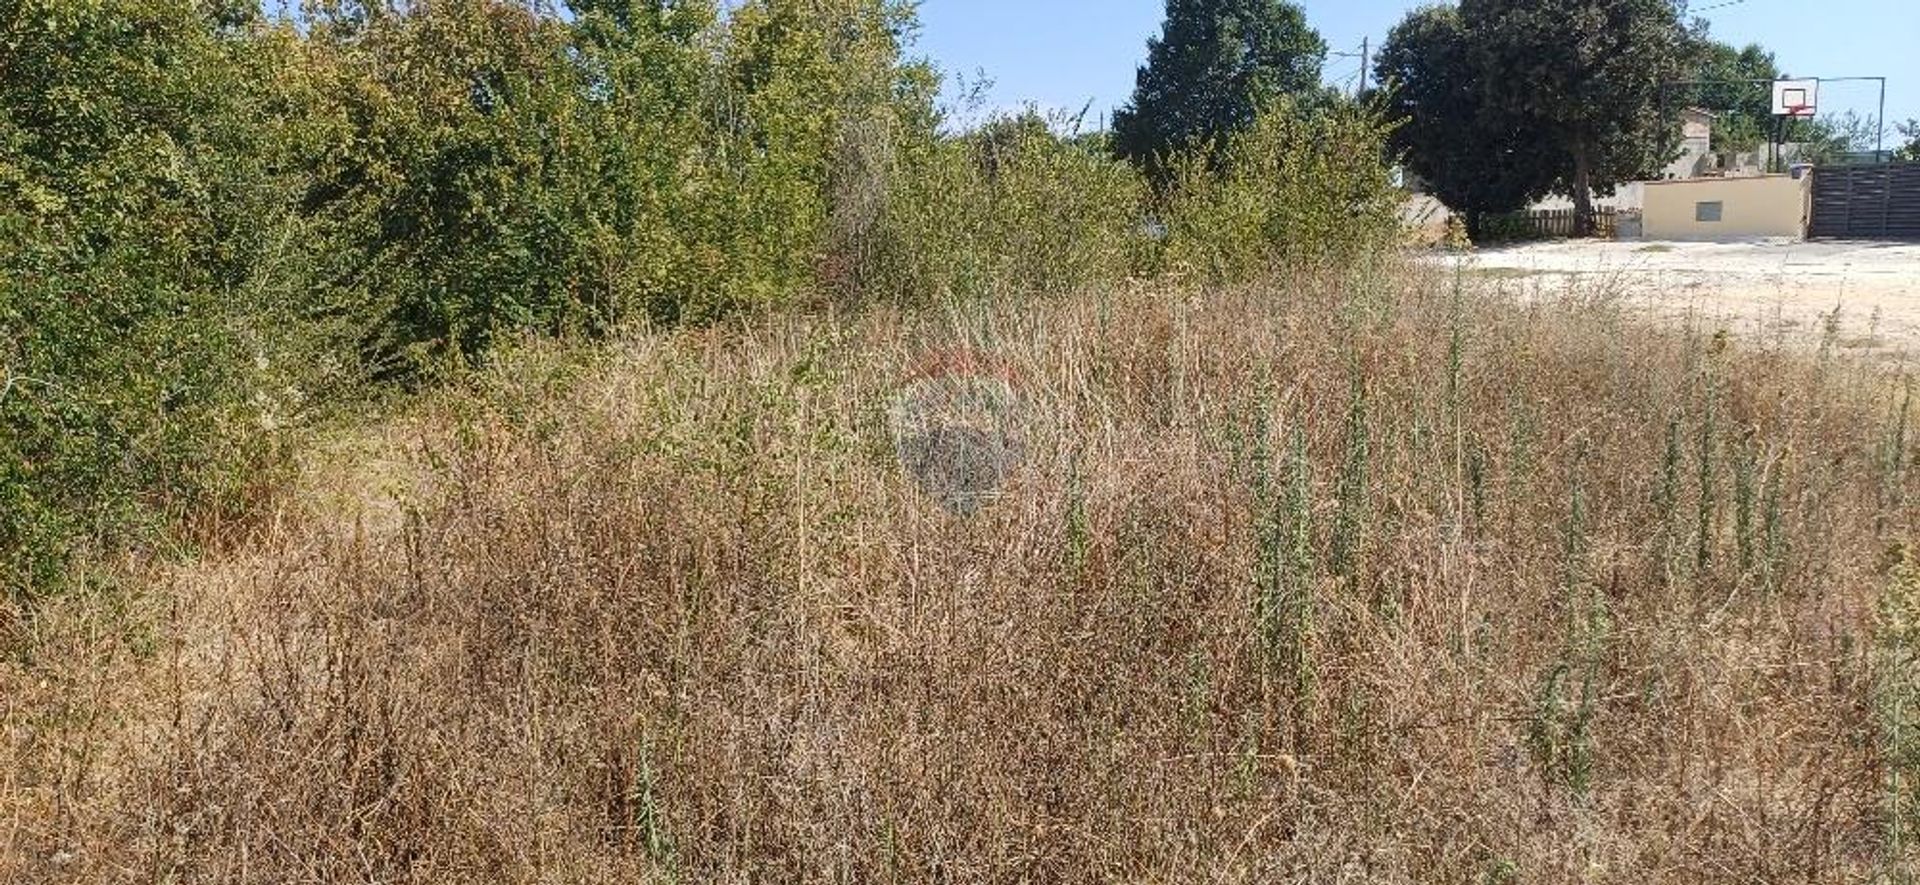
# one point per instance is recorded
(1867, 202)
(1543, 224)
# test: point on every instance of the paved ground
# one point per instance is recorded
(1771, 287)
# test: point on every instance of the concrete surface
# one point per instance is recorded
(1773, 287)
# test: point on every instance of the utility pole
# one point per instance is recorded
(1365, 55)
(1366, 44)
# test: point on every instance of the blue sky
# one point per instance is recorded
(1066, 53)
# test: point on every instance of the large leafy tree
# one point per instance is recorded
(1471, 152)
(1208, 72)
(1503, 99)
(1586, 76)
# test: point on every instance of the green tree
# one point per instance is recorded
(817, 95)
(1470, 151)
(641, 110)
(1735, 88)
(1586, 76)
(1214, 65)
(446, 179)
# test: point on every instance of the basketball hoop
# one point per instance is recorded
(1799, 111)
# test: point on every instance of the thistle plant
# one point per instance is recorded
(1893, 461)
(1746, 492)
(1772, 532)
(1561, 733)
(1456, 348)
(1708, 448)
(1666, 500)
(1297, 573)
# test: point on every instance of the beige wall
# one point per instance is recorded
(1760, 206)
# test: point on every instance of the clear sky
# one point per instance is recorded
(1067, 53)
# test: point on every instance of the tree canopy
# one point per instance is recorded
(1586, 75)
(1461, 144)
(1566, 92)
(1732, 89)
(1211, 69)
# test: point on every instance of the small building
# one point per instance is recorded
(1727, 208)
(1696, 146)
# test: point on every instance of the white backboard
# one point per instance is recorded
(1796, 98)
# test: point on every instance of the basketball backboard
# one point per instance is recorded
(1796, 98)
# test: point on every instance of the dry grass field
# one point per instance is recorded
(1351, 577)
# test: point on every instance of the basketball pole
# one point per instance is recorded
(1777, 162)
(1880, 123)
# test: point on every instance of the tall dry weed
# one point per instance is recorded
(674, 611)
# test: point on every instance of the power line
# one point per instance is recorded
(1365, 55)
(1722, 5)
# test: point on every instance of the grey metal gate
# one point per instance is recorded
(1866, 202)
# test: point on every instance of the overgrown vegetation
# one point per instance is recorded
(218, 224)
(1349, 574)
(1295, 561)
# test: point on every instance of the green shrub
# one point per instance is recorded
(483, 169)
(139, 214)
(479, 170)
(1010, 208)
(1303, 184)
(816, 98)
(1509, 227)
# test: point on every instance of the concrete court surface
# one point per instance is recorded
(1775, 288)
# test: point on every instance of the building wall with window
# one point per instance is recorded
(1727, 208)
